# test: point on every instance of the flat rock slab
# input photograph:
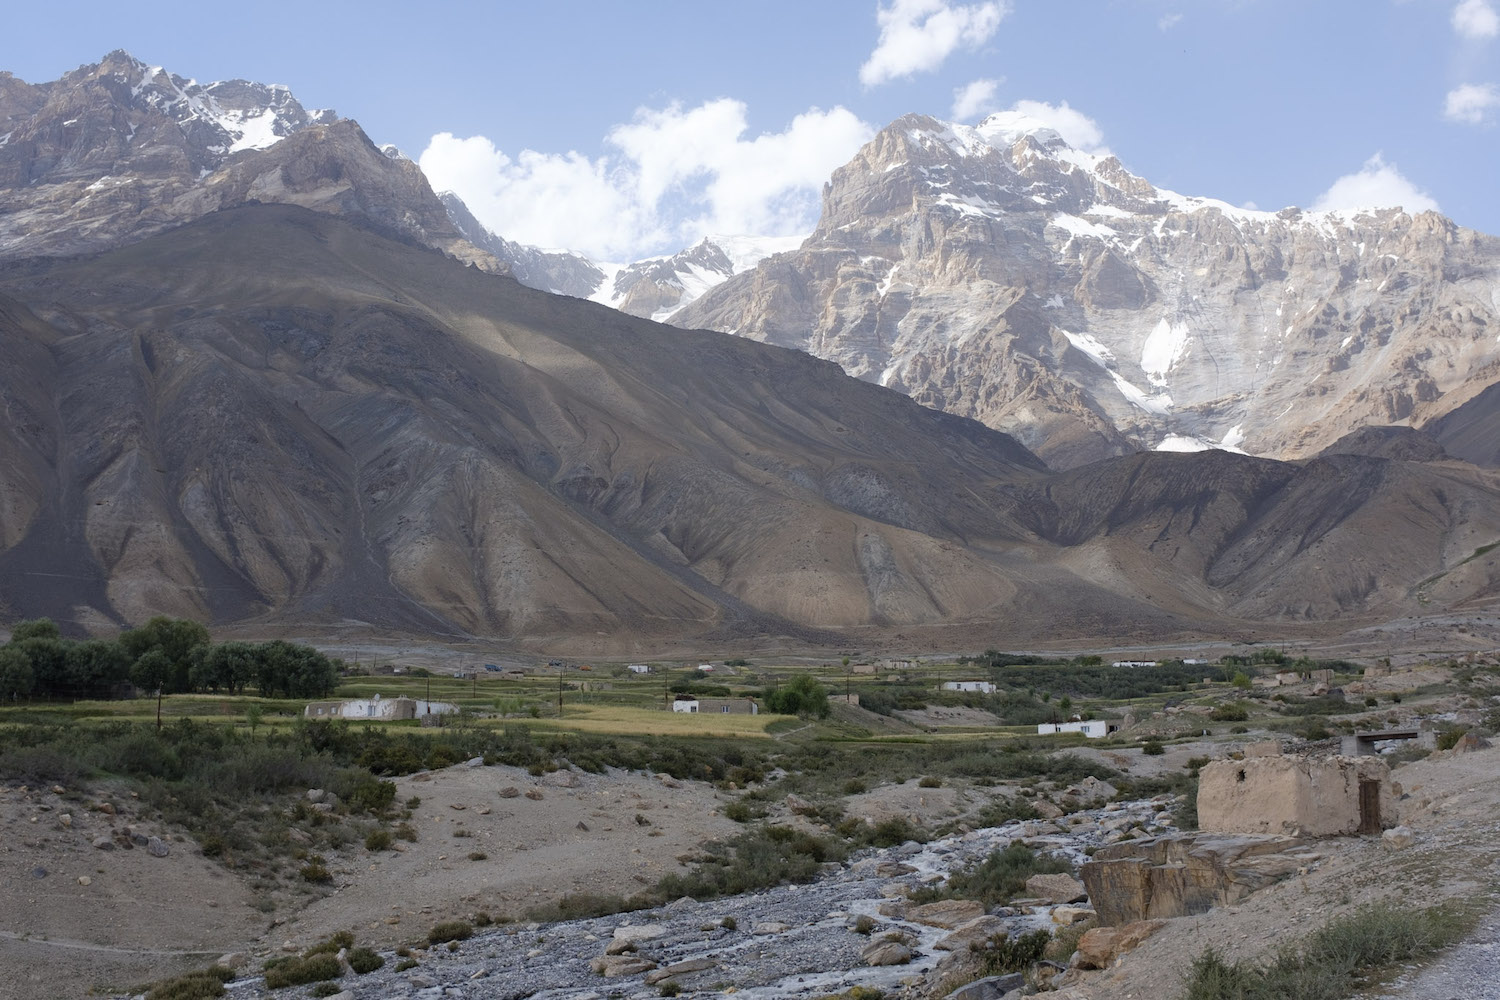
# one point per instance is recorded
(946, 913)
(1059, 888)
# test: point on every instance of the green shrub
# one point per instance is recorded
(738, 810)
(478, 856)
(405, 831)
(450, 930)
(864, 925)
(729, 923)
(670, 988)
(1229, 712)
(1449, 737)
(1003, 954)
(363, 960)
(996, 880)
(855, 787)
(378, 840)
(1334, 960)
(1153, 748)
(325, 989)
(928, 781)
(301, 971)
(200, 985)
(332, 945)
(406, 963)
(316, 872)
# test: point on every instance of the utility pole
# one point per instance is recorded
(559, 691)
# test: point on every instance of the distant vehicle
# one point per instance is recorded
(585, 667)
(554, 663)
(492, 668)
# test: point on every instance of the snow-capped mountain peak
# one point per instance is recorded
(229, 115)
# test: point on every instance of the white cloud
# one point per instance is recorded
(1077, 129)
(674, 176)
(1470, 103)
(1378, 184)
(917, 35)
(1476, 19)
(974, 98)
(1168, 22)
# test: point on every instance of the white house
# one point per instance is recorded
(983, 687)
(1133, 663)
(685, 703)
(707, 668)
(1095, 729)
(638, 668)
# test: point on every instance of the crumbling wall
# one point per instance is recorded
(1302, 796)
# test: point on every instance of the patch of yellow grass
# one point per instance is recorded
(618, 720)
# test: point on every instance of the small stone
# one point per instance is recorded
(510, 792)
(610, 966)
(157, 848)
(770, 927)
(38, 872)
(483, 810)
(104, 843)
(65, 821)
(84, 880)
(474, 762)
(315, 795)
(1398, 838)
(458, 806)
(583, 826)
(535, 794)
(58, 789)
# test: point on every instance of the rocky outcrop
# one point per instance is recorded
(1182, 874)
(998, 273)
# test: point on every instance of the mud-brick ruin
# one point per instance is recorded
(1301, 796)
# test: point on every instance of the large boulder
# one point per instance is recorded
(1100, 946)
(610, 966)
(628, 936)
(886, 953)
(1059, 888)
(989, 988)
(972, 934)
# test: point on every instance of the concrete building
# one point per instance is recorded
(684, 703)
(378, 709)
(981, 687)
(1303, 796)
(719, 706)
(638, 668)
(1093, 729)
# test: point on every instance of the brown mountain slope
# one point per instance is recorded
(272, 415)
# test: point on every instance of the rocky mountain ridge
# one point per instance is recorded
(999, 273)
(115, 151)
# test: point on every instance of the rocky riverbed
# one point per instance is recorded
(791, 941)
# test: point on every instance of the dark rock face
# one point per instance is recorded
(313, 421)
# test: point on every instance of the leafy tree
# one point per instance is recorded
(49, 663)
(94, 667)
(803, 696)
(36, 628)
(15, 673)
(228, 665)
(151, 671)
(291, 671)
(178, 640)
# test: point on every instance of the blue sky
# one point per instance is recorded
(625, 129)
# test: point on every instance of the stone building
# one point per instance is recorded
(1302, 796)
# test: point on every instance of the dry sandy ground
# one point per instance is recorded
(611, 834)
(1452, 807)
(140, 917)
(138, 914)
